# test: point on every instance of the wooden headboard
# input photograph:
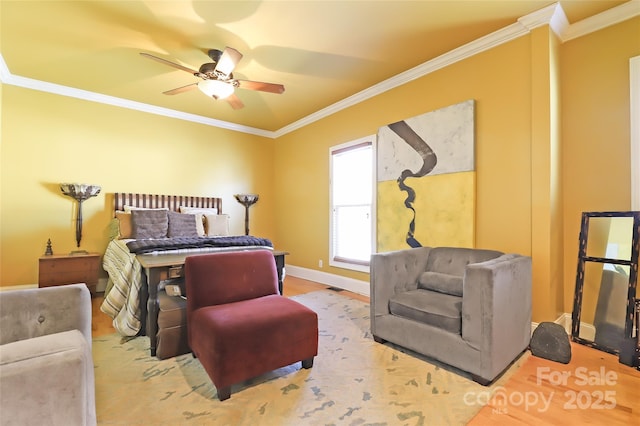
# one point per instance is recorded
(172, 202)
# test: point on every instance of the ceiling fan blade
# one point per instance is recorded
(181, 89)
(263, 87)
(171, 64)
(234, 101)
(228, 61)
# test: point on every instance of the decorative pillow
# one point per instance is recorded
(182, 225)
(203, 210)
(217, 225)
(149, 223)
(114, 229)
(129, 209)
(125, 229)
(199, 212)
(442, 283)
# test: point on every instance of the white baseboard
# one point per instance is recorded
(350, 284)
(564, 320)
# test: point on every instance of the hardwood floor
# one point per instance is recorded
(100, 322)
(594, 388)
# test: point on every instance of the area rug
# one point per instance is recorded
(354, 381)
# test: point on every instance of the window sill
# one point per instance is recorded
(350, 266)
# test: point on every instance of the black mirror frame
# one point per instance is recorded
(633, 278)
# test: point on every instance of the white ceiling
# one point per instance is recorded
(323, 52)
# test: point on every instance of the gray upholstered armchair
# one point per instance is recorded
(46, 366)
(467, 308)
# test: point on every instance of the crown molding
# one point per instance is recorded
(541, 17)
(610, 17)
(552, 15)
(57, 89)
(5, 75)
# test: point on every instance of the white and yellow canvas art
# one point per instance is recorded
(426, 180)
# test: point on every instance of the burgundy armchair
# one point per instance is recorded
(238, 326)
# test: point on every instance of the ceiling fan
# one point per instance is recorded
(217, 77)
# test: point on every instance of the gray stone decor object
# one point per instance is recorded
(550, 341)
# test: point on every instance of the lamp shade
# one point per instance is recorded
(216, 88)
(79, 191)
(247, 199)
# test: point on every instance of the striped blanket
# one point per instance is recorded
(122, 295)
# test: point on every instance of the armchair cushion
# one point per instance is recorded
(247, 338)
(47, 377)
(43, 346)
(443, 283)
(429, 307)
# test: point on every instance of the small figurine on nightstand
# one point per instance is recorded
(49, 251)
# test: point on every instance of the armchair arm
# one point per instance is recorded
(29, 313)
(392, 272)
(496, 308)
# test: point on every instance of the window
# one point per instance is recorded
(352, 204)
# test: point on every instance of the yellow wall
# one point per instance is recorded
(595, 131)
(546, 247)
(49, 139)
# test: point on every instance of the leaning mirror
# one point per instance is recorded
(605, 292)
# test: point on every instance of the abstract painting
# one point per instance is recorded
(426, 180)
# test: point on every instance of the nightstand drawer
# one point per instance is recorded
(68, 264)
(67, 277)
(69, 269)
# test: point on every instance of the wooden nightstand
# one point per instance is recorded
(59, 269)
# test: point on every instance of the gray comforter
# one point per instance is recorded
(162, 244)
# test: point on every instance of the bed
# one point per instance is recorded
(151, 235)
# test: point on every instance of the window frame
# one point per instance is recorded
(336, 261)
(634, 89)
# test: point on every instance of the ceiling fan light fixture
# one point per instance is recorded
(216, 88)
(217, 77)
